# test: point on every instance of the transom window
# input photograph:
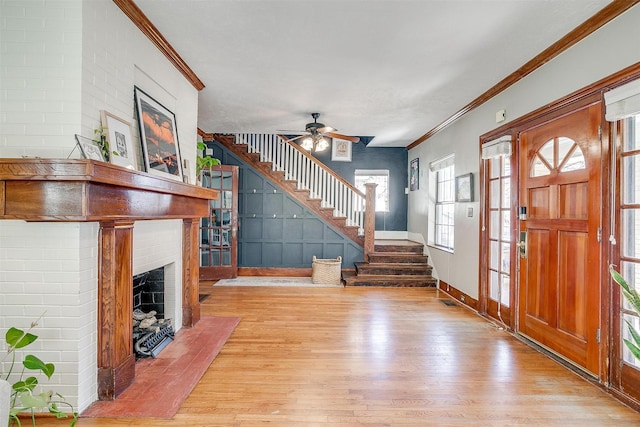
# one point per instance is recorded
(561, 154)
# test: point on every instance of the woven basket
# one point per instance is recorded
(326, 271)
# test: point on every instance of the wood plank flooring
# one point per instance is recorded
(379, 357)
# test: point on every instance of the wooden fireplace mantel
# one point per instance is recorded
(72, 190)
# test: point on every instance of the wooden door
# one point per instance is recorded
(559, 290)
(219, 232)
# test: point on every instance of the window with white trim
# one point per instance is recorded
(442, 174)
(376, 176)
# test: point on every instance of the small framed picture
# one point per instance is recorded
(159, 137)
(90, 149)
(118, 133)
(341, 150)
(464, 188)
(414, 174)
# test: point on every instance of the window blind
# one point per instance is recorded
(623, 101)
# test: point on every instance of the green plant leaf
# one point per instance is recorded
(635, 350)
(18, 338)
(34, 401)
(25, 386)
(32, 362)
(635, 336)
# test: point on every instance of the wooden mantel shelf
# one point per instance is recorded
(87, 190)
(90, 190)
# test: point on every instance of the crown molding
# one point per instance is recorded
(605, 15)
(148, 29)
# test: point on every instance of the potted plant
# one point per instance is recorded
(204, 162)
(22, 397)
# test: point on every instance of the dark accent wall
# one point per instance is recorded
(277, 231)
(394, 159)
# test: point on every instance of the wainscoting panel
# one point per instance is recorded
(275, 230)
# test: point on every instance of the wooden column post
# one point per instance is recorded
(116, 361)
(369, 219)
(190, 272)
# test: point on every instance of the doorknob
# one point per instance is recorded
(522, 244)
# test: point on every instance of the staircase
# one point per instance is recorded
(303, 177)
(393, 263)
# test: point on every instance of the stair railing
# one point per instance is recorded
(310, 174)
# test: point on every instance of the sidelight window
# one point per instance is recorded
(630, 221)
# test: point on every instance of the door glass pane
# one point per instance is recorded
(227, 180)
(575, 161)
(494, 167)
(547, 152)
(631, 179)
(494, 225)
(539, 168)
(506, 193)
(494, 197)
(564, 146)
(493, 285)
(506, 226)
(504, 297)
(505, 261)
(494, 255)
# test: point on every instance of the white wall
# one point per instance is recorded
(603, 53)
(62, 62)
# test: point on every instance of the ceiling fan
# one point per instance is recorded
(314, 133)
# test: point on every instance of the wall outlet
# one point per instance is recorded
(462, 298)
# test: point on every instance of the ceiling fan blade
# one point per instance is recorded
(297, 137)
(340, 136)
(326, 129)
(293, 132)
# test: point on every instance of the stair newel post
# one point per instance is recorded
(369, 219)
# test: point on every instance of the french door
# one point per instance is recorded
(219, 231)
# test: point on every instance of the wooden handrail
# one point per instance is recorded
(325, 167)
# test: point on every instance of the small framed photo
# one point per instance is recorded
(89, 148)
(414, 174)
(159, 137)
(464, 188)
(341, 150)
(118, 133)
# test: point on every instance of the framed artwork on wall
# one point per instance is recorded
(118, 132)
(89, 148)
(464, 188)
(341, 150)
(159, 137)
(414, 174)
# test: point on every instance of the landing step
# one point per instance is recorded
(397, 257)
(388, 268)
(392, 281)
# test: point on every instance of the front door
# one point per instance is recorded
(219, 232)
(559, 247)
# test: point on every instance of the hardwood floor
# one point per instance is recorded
(375, 356)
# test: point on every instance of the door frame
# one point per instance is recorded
(536, 118)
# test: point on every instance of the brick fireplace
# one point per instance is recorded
(118, 200)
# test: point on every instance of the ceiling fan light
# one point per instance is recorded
(307, 143)
(322, 144)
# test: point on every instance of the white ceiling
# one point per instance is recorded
(392, 69)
